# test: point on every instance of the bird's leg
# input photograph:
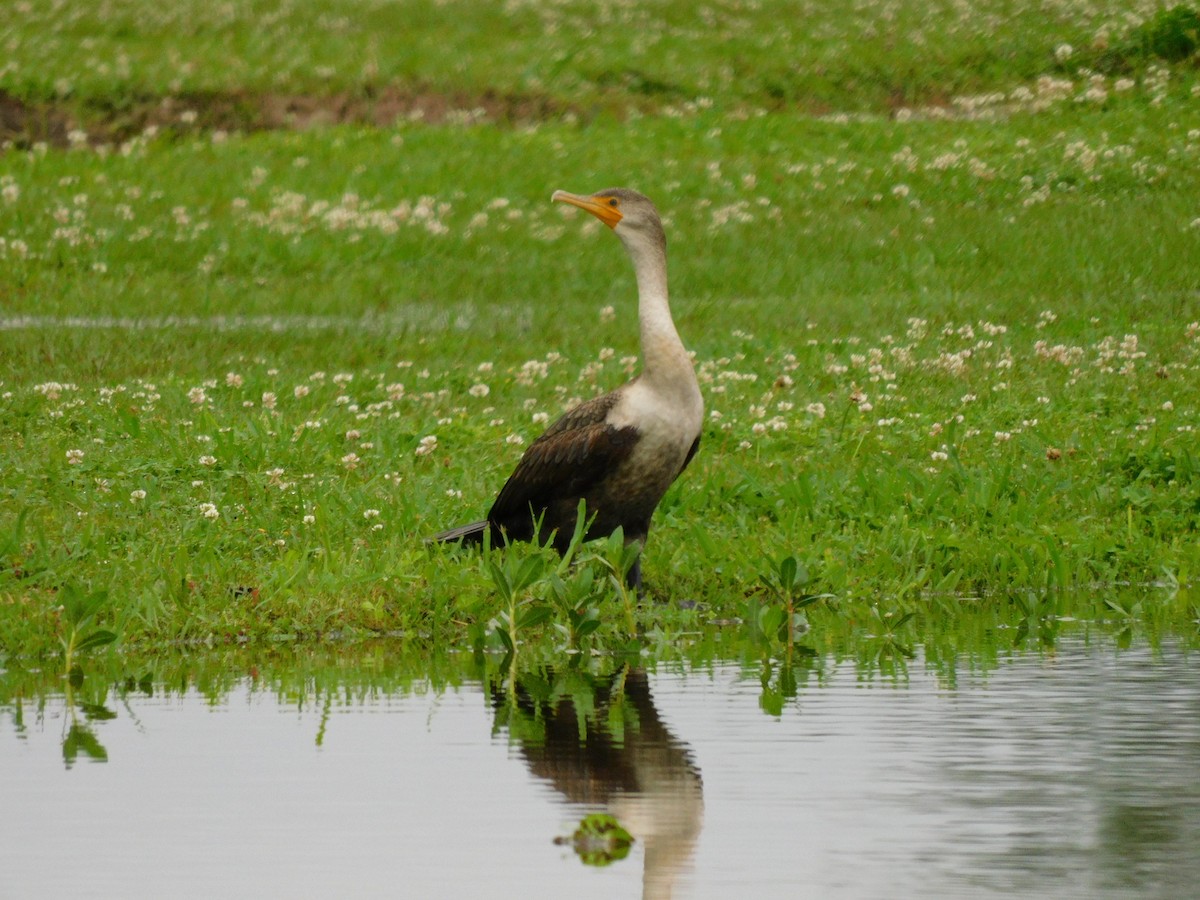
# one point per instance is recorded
(633, 578)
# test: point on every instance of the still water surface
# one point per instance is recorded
(1074, 773)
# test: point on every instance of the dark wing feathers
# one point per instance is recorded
(573, 454)
(691, 452)
(468, 534)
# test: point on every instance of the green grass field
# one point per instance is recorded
(938, 266)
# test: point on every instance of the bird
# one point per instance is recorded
(619, 452)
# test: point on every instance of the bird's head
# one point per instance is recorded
(630, 214)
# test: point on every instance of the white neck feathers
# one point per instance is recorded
(666, 365)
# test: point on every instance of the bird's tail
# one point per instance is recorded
(467, 534)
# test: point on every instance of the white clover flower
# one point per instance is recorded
(939, 455)
(74, 457)
(300, 390)
(1002, 436)
(428, 445)
(370, 514)
(1063, 52)
(268, 400)
(208, 460)
(816, 409)
(350, 460)
(309, 519)
(136, 496)
(197, 395)
(210, 511)
(514, 439)
(479, 390)
(233, 379)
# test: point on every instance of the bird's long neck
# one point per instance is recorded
(666, 365)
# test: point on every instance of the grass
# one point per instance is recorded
(949, 357)
(576, 51)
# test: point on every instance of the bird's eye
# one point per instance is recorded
(612, 201)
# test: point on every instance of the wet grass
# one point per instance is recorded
(949, 363)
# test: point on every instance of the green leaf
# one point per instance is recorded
(534, 615)
(79, 607)
(809, 599)
(771, 620)
(787, 572)
(500, 579)
(531, 569)
(586, 627)
(98, 638)
(505, 638)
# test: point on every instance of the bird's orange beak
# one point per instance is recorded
(603, 208)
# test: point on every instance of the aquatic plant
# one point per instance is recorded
(79, 611)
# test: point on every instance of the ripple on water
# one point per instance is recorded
(1066, 774)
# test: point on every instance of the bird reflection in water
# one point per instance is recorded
(599, 741)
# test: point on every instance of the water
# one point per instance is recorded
(1067, 774)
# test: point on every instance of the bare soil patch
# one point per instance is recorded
(61, 122)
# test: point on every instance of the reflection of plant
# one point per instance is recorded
(599, 840)
(79, 737)
(887, 647)
(80, 612)
(781, 684)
